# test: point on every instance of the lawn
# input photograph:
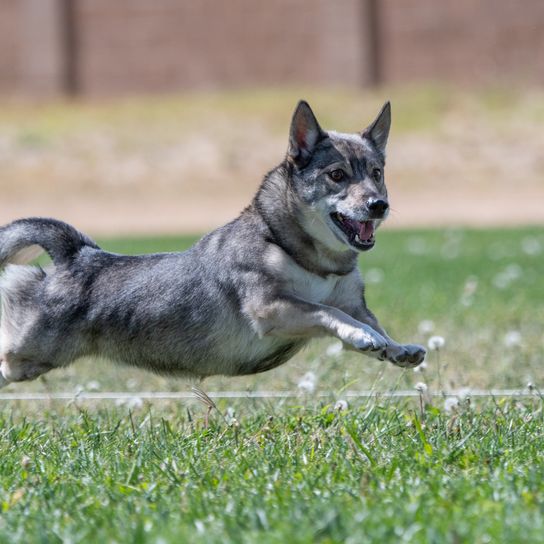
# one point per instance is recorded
(377, 472)
(299, 469)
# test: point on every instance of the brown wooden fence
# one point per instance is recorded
(98, 47)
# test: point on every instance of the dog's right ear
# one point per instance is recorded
(304, 135)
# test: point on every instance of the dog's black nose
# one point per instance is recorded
(377, 206)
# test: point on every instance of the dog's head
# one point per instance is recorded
(339, 179)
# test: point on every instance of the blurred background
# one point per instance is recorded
(146, 123)
(140, 116)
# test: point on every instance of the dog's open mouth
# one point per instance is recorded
(360, 233)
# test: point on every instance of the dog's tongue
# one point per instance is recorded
(366, 230)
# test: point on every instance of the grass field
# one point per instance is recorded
(300, 470)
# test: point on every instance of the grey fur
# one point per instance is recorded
(242, 300)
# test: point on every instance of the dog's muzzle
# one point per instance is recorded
(360, 234)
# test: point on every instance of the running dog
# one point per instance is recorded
(242, 300)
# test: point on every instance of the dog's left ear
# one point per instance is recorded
(304, 135)
(378, 131)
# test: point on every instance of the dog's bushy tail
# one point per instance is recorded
(61, 241)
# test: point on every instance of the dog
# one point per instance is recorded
(244, 299)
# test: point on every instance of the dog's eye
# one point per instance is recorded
(377, 175)
(337, 175)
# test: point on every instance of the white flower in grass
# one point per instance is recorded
(307, 383)
(374, 275)
(334, 349)
(420, 387)
(531, 246)
(512, 339)
(93, 385)
(451, 404)
(135, 402)
(436, 342)
(464, 393)
(131, 402)
(426, 326)
(421, 368)
(341, 405)
(510, 274)
(417, 246)
(469, 290)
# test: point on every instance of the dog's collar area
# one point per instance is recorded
(360, 234)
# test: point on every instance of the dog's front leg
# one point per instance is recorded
(403, 355)
(291, 317)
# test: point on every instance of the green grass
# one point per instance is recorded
(297, 474)
(299, 470)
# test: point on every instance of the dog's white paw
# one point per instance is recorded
(370, 341)
(406, 355)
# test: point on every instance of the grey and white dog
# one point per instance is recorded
(242, 300)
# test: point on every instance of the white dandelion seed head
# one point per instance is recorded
(426, 326)
(513, 271)
(531, 245)
(436, 342)
(420, 387)
(471, 286)
(307, 383)
(417, 246)
(464, 393)
(451, 404)
(135, 402)
(341, 405)
(512, 339)
(334, 349)
(374, 275)
(421, 367)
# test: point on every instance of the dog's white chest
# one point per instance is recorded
(313, 288)
(298, 281)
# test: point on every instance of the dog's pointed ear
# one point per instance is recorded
(378, 131)
(304, 135)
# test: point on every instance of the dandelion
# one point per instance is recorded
(334, 350)
(507, 276)
(374, 275)
(199, 526)
(435, 343)
(450, 250)
(421, 387)
(93, 386)
(134, 402)
(464, 393)
(26, 461)
(426, 326)
(421, 367)
(341, 405)
(469, 290)
(451, 404)
(417, 246)
(229, 415)
(512, 339)
(307, 383)
(531, 245)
